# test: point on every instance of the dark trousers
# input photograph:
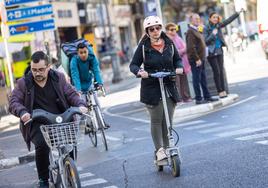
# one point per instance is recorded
(199, 79)
(216, 63)
(41, 152)
(183, 86)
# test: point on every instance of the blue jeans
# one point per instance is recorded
(199, 79)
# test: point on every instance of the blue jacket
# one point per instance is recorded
(82, 72)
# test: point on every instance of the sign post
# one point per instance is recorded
(5, 35)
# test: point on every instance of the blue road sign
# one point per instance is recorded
(30, 27)
(17, 2)
(23, 13)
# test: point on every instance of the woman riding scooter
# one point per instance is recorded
(156, 53)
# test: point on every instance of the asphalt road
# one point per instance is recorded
(226, 148)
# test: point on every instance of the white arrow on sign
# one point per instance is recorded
(12, 30)
(10, 15)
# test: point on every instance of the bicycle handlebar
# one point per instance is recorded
(50, 118)
(160, 74)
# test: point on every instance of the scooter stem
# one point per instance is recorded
(164, 100)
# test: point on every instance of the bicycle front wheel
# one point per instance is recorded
(101, 126)
(93, 128)
(71, 177)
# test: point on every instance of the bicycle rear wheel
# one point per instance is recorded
(71, 177)
(101, 126)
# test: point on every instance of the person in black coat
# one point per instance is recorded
(215, 41)
(156, 52)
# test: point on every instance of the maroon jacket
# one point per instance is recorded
(22, 98)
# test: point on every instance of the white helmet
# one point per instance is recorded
(151, 21)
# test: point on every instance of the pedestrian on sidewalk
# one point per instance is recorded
(181, 79)
(215, 41)
(156, 52)
(196, 52)
(47, 89)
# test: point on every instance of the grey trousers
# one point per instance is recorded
(158, 122)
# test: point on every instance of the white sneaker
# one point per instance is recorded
(161, 154)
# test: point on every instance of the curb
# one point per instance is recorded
(13, 161)
(205, 108)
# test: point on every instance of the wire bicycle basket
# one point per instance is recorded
(57, 135)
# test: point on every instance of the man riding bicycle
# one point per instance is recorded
(83, 67)
(41, 88)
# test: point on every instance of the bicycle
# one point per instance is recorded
(96, 125)
(61, 136)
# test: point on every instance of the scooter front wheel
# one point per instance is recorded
(176, 166)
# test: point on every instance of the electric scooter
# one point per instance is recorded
(173, 154)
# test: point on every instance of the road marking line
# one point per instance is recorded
(218, 129)
(145, 129)
(264, 142)
(241, 131)
(113, 186)
(126, 117)
(112, 138)
(242, 101)
(201, 126)
(190, 123)
(10, 136)
(85, 175)
(131, 111)
(252, 137)
(93, 182)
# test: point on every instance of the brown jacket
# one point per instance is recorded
(22, 98)
(196, 46)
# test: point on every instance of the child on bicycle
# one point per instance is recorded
(84, 68)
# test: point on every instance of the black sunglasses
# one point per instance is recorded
(157, 28)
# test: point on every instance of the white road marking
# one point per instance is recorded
(241, 131)
(201, 126)
(264, 142)
(85, 175)
(126, 117)
(219, 129)
(10, 136)
(242, 101)
(131, 111)
(190, 123)
(113, 186)
(252, 137)
(93, 182)
(143, 128)
(112, 138)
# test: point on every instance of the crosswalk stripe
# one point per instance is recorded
(201, 126)
(113, 186)
(93, 182)
(251, 137)
(190, 123)
(264, 142)
(85, 175)
(217, 129)
(241, 131)
(112, 138)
